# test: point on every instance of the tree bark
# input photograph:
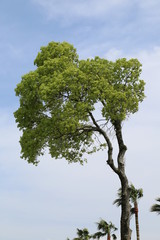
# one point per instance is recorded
(136, 220)
(120, 171)
(125, 213)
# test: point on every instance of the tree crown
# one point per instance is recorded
(59, 101)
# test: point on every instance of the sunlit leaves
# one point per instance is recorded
(57, 98)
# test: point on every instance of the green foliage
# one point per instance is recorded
(135, 195)
(118, 201)
(58, 99)
(114, 236)
(104, 229)
(83, 234)
(156, 207)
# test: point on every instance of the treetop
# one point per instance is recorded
(59, 101)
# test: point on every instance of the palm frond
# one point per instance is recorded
(112, 226)
(83, 234)
(114, 236)
(102, 225)
(118, 201)
(135, 194)
(158, 199)
(97, 235)
(105, 227)
(132, 211)
(156, 207)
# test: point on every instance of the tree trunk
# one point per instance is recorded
(125, 213)
(136, 220)
(108, 236)
(120, 171)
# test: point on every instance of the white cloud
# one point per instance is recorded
(9, 133)
(150, 11)
(113, 54)
(81, 8)
(147, 12)
(148, 4)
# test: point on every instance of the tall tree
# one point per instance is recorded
(106, 229)
(135, 195)
(156, 207)
(67, 103)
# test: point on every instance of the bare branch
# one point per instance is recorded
(110, 148)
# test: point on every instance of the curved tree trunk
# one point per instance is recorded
(120, 171)
(136, 220)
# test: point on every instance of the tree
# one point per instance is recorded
(82, 234)
(156, 207)
(106, 229)
(66, 105)
(135, 195)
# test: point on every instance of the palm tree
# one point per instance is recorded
(106, 229)
(82, 234)
(135, 195)
(156, 207)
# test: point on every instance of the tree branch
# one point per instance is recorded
(122, 146)
(110, 148)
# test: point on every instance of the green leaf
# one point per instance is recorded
(58, 98)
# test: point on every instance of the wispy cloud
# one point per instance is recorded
(69, 11)
(113, 54)
(150, 11)
(81, 8)
(147, 4)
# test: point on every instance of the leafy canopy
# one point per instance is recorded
(58, 101)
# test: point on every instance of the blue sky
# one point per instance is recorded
(50, 201)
